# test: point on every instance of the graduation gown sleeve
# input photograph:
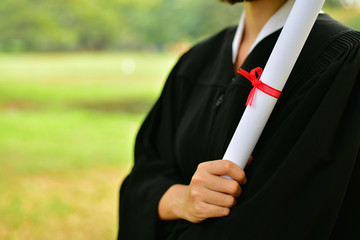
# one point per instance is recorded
(348, 221)
(154, 169)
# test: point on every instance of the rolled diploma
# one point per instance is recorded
(277, 70)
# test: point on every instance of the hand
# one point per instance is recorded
(211, 195)
(208, 195)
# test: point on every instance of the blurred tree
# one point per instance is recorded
(48, 25)
(333, 3)
(63, 25)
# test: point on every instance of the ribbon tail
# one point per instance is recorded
(251, 97)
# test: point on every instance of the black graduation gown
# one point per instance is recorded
(304, 182)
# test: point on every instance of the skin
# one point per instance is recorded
(209, 194)
(257, 13)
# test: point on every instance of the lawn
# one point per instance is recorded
(67, 130)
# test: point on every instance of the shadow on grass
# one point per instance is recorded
(130, 106)
(117, 106)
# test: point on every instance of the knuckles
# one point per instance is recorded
(198, 179)
(234, 188)
(226, 165)
(229, 201)
(195, 195)
(202, 166)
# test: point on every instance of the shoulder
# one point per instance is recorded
(327, 31)
(199, 60)
(328, 25)
(330, 49)
(203, 53)
(330, 44)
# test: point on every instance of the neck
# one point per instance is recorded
(257, 13)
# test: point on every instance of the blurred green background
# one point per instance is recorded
(77, 78)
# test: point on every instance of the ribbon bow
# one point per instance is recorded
(254, 77)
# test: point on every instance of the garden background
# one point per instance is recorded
(77, 78)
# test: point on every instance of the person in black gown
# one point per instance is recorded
(304, 179)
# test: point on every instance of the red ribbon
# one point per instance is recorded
(254, 77)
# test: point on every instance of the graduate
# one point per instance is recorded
(303, 179)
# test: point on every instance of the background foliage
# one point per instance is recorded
(58, 25)
(55, 25)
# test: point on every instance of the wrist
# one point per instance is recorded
(171, 205)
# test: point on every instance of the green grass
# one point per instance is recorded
(65, 140)
(72, 110)
(66, 78)
(67, 129)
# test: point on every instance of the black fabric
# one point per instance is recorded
(304, 182)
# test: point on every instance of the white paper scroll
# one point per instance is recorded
(276, 72)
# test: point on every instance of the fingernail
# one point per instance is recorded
(245, 181)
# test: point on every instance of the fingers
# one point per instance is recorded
(224, 167)
(204, 211)
(218, 184)
(224, 185)
(193, 204)
(211, 195)
(204, 203)
(219, 199)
